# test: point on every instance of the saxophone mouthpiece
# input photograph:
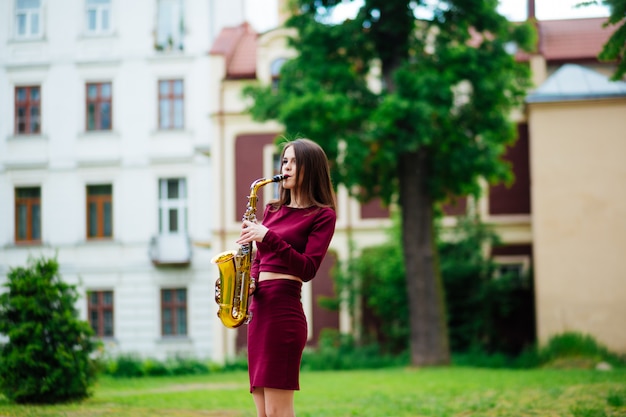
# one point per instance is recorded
(278, 178)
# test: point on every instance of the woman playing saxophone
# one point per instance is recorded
(291, 243)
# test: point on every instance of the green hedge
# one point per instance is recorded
(47, 356)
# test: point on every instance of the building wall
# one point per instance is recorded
(579, 227)
(133, 156)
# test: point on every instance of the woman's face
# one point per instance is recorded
(288, 167)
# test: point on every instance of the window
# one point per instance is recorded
(98, 16)
(514, 270)
(28, 19)
(515, 266)
(28, 215)
(99, 112)
(275, 67)
(172, 206)
(27, 110)
(174, 312)
(99, 211)
(100, 312)
(171, 104)
(170, 25)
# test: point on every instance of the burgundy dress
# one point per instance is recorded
(295, 244)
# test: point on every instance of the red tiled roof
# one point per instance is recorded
(559, 40)
(572, 39)
(238, 45)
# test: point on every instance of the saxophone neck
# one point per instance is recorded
(254, 188)
(264, 181)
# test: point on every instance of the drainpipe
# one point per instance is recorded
(531, 10)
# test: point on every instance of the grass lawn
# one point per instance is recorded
(442, 392)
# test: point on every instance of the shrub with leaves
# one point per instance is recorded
(47, 356)
(485, 315)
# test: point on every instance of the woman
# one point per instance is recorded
(291, 244)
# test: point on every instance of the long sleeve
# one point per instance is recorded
(304, 264)
(296, 241)
(254, 268)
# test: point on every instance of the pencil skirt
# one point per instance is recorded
(276, 335)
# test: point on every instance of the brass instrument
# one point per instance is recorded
(232, 286)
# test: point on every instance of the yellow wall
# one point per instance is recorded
(578, 175)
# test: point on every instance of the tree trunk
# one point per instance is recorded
(429, 330)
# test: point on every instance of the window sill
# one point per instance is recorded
(100, 242)
(99, 134)
(168, 340)
(27, 39)
(173, 54)
(166, 133)
(28, 244)
(28, 136)
(86, 35)
(99, 239)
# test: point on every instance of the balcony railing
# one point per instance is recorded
(170, 250)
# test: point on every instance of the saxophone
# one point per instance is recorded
(231, 288)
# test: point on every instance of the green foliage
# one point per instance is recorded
(381, 271)
(487, 317)
(47, 356)
(133, 366)
(485, 312)
(340, 352)
(325, 91)
(582, 410)
(616, 398)
(615, 47)
(567, 348)
(127, 366)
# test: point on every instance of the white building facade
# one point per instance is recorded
(105, 140)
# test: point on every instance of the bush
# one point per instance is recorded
(487, 314)
(187, 366)
(132, 366)
(337, 351)
(47, 356)
(127, 366)
(569, 348)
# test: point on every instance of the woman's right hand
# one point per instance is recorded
(251, 232)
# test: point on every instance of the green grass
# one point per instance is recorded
(441, 392)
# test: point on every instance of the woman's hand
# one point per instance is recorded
(252, 287)
(251, 232)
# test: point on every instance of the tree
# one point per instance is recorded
(615, 47)
(47, 357)
(409, 110)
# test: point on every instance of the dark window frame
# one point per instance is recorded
(29, 202)
(101, 307)
(98, 102)
(100, 200)
(173, 306)
(171, 97)
(28, 105)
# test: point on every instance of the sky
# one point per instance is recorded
(262, 13)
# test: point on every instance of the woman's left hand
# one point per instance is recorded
(251, 232)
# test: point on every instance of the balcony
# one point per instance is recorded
(170, 250)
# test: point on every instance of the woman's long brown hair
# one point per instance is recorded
(312, 175)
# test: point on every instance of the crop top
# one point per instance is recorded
(296, 241)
